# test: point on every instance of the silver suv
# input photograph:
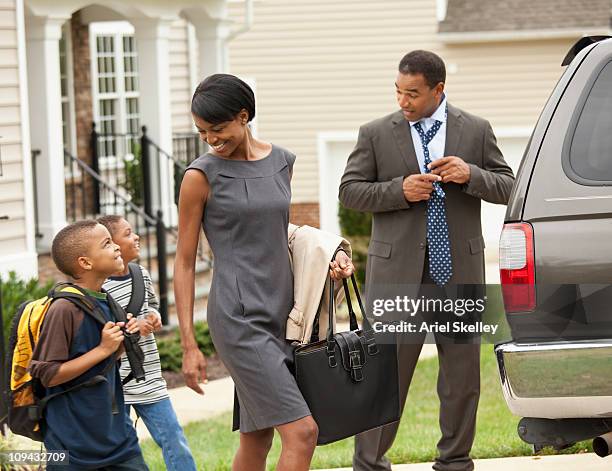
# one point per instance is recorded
(556, 263)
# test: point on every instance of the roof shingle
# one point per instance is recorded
(512, 15)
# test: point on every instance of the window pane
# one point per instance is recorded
(108, 121)
(591, 149)
(132, 119)
(63, 65)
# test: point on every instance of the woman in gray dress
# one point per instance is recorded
(240, 192)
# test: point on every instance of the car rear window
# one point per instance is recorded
(590, 154)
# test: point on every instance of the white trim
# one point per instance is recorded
(192, 56)
(28, 184)
(512, 131)
(324, 138)
(111, 27)
(441, 8)
(521, 35)
(335, 136)
(25, 264)
(70, 85)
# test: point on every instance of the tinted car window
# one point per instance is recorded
(591, 149)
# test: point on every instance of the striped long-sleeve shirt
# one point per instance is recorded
(153, 388)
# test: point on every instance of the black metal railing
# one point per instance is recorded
(188, 146)
(120, 161)
(133, 163)
(89, 195)
(176, 167)
(35, 154)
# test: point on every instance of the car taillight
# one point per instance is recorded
(517, 267)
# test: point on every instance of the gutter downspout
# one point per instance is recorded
(248, 22)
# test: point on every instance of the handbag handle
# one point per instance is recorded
(368, 331)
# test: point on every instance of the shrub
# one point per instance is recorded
(354, 223)
(356, 227)
(134, 181)
(171, 352)
(14, 292)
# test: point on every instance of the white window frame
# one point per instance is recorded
(328, 207)
(116, 29)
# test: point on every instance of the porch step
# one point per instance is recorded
(201, 267)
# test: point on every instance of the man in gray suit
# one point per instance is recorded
(422, 172)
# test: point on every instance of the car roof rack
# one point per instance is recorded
(580, 45)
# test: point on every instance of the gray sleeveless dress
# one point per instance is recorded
(245, 221)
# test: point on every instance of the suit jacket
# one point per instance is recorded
(310, 252)
(372, 181)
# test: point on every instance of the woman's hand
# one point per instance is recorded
(341, 267)
(194, 369)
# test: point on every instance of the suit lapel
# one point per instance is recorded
(403, 138)
(454, 124)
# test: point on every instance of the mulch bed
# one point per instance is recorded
(215, 369)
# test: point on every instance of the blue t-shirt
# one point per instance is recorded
(82, 421)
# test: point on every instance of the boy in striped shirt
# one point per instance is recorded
(150, 397)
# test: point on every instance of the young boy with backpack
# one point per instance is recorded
(74, 358)
(133, 289)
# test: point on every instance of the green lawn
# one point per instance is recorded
(213, 444)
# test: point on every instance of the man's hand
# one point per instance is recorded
(194, 369)
(112, 337)
(451, 169)
(418, 186)
(155, 321)
(341, 267)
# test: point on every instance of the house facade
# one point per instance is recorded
(70, 66)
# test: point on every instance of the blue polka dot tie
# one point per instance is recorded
(440, 263)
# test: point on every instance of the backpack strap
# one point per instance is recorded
(138, 290)
(37, 412)
(80, 298)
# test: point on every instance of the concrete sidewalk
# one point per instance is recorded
(580, 462)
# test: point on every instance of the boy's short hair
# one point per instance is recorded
(71, 243)
(110, 221)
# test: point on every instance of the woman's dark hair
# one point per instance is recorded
(220, 97)
(430, 65)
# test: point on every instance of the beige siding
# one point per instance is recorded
(180, 84)
(327, 66)
(13, 231)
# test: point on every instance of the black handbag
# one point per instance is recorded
(349, 381)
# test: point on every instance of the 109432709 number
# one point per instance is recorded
(33, 457)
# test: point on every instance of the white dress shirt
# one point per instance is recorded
(437, 144)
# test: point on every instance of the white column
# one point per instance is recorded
(152, 38)
(211, 34)
(43, 35)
